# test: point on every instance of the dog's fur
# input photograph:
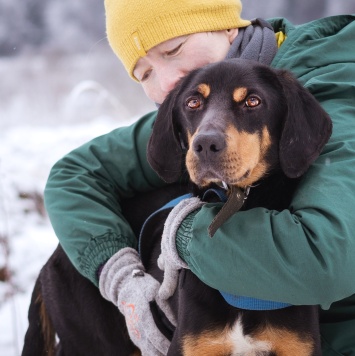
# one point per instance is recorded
(236, 122)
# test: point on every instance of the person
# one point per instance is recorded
(301, 256)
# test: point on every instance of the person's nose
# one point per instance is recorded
(168, 79)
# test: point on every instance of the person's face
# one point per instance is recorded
(166, 63)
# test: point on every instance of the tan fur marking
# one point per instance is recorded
(244, 153)
(240, 94)
(191, 159)
(209, 343)
(265, 141)
(204, 89)
(47, 327)
(285, 343)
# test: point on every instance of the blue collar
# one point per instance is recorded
(248, 303)
(168, 205)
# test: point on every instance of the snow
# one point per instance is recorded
(27, 154)
(29, 146)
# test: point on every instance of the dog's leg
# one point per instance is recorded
(202, 323)
(85, 323)
(40, 336)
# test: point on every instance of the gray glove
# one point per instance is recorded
(124, 282)
(169, 260)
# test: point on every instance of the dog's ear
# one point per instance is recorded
(164, 151)
(306, 130)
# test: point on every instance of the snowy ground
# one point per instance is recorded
(27, 153)
(29, 145)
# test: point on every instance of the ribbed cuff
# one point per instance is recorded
(184, 236)
(99, 251)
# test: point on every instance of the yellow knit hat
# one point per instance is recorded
(135, 26)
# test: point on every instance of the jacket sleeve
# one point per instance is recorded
(83, 192)
(303, 255)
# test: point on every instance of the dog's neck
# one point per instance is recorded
(281, 187)
(256, 195)
(235, 201)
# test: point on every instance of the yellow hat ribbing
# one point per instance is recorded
(135, 26)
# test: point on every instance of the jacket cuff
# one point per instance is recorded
(184, 235)
(99, 251)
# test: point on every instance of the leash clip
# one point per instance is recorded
(246, 192)
(235, 201)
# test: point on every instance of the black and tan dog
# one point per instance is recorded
(236, 124)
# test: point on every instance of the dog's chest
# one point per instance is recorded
(230, 341)
(242, 344)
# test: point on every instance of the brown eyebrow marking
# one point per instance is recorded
(204, 89)
(240, 94)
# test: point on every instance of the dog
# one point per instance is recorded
(67, 306)
(233, 124)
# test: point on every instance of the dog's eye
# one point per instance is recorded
(193, 103)
(252, 101)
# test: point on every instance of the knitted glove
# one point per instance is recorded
(124, 282)
(169, 260)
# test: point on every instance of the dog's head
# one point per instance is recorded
(234, 122)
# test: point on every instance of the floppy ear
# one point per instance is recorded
(164, 151)
(306, 130)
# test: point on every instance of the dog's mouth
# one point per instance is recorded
(222, 180)
(240, 168)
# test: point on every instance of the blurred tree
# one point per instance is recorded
(21, 25)
(66, 25)
(74, 26)
(305, 10)
(77, 25)
(35, 27)
(340, 7)
(297, 11)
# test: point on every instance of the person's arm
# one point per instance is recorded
(303, 255)
(83, 192)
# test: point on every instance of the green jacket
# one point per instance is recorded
(304, 255)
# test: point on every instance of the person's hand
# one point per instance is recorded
(124, 282)
(169, 260)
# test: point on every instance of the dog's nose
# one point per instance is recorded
(208, 144)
